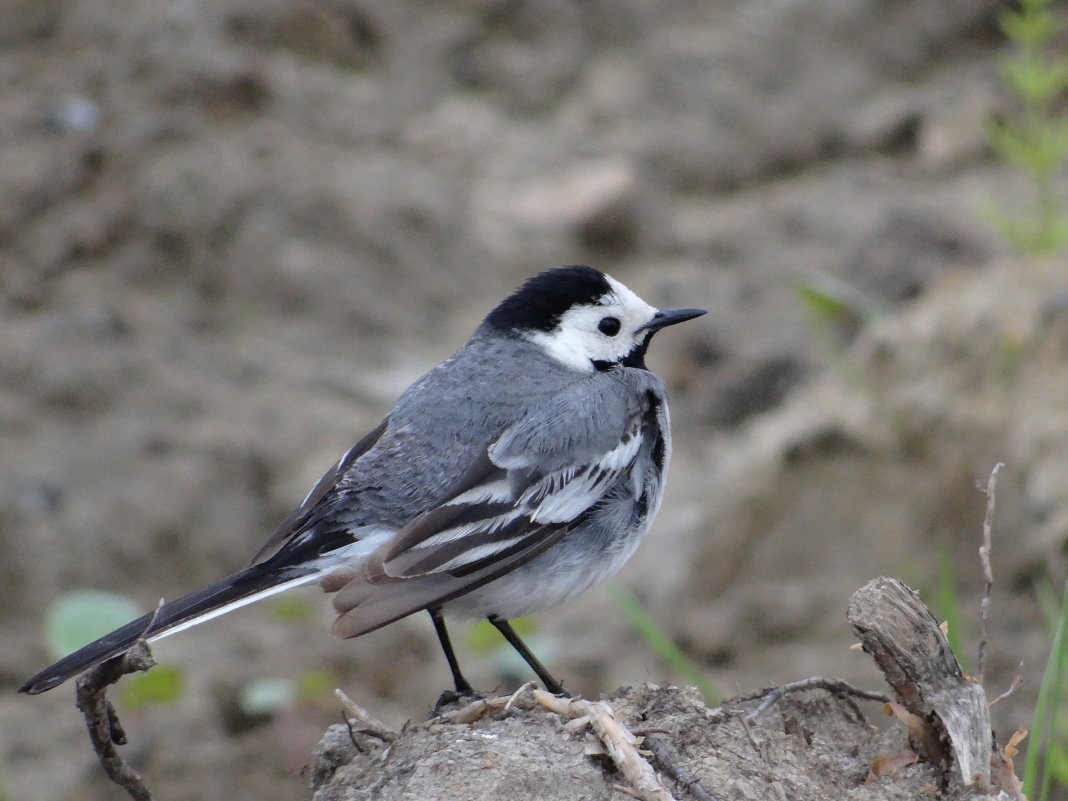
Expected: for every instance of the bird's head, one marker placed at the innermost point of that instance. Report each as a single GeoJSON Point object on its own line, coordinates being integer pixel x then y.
{"type": "Point", "coordinates": [584, 319]}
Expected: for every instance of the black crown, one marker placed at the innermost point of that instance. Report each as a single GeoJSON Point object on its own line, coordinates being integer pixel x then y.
{"type": "Point", "coordinates": [540, 302]}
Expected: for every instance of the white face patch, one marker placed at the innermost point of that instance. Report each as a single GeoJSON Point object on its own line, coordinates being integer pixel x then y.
{"type": "Point", "coordinates": [577, 340]}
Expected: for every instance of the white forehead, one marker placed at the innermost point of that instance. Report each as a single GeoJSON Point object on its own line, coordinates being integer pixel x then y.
{"type": "Point", "coordinates": [622, 295]}
{"type": "Point", "coordinates": [577, 342]}
{"type": "Point", "coordinates": [619, 301]}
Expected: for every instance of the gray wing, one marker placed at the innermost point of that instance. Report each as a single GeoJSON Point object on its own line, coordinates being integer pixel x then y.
{"type": "Point", "coordinates": [528, 489]}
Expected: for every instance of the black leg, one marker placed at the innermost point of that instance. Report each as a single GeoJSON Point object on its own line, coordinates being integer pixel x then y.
{"type": "Point", "coordinates": [551, 684]}
{"type": "Point", "coordinates": [463, 688]}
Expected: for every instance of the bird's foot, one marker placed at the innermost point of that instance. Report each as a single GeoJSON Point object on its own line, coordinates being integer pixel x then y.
{"type": "Point", "coordinates": [453, 697]}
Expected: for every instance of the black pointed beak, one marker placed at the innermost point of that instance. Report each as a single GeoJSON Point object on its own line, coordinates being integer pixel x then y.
{"type": "Point", "coordinates": [666, 317]}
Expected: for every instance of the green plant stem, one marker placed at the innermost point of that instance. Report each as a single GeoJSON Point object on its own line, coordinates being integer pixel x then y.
{"type": "Point", "coordinates": [1035, 139]}
{"type": "Point", "coordinates": [661, 644]}
{"type": "Point", "coordinates": [1049, 699]}
{"type": "Point", "coordinates": [948, 602]}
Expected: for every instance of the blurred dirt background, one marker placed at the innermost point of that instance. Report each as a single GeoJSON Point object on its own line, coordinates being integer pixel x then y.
{"type": "Point", "coordinates": [232, 232]}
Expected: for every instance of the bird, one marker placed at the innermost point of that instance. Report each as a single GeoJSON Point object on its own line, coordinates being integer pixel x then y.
{"type": "Point", "coordinates": [512, 477]}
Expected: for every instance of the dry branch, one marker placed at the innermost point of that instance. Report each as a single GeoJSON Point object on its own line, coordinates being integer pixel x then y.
{"type": "Point", "coordinates": [369, 724]}
{"type": "Point", "coordinates": [953, 720]}
{"type": "Point", "coordinates": [105, 731]}
{"type": "Point", "coordinates": [769, 696]}
{"type": "Point", "coordinates": [984, 558]}
{"type": "Point", "coordinates": [671, 766]}
{"type": "Point", "coordinates": [618, 741]}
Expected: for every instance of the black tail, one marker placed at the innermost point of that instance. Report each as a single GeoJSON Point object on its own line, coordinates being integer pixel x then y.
{"type": "Point", "coordinates": [244, 587]}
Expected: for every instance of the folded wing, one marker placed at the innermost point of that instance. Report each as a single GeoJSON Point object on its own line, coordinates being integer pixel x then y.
{"type": "Point", "coordinates": [530, 487]}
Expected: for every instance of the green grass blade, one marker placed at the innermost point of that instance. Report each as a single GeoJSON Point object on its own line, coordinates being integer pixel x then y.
{"type": "Point", "coordinates": [661, 644]}
{"type": "Point", "coordinates": [1052, 742]}
{"type": "Point", "coordinates": [947, 602]}
{"type": "Point", "coordinates": [1049, 698]}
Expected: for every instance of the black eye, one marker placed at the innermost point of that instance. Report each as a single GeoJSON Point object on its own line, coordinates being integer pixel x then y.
{"type": "Point", "coordinates": [609, 326]}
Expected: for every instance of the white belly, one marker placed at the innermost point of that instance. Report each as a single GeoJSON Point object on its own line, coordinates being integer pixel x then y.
{"type": "Point", "coordinates": [584, 558]}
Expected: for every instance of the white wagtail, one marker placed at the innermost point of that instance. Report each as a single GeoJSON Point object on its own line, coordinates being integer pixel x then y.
{"type": "Point", "coordinates": [513, 476]}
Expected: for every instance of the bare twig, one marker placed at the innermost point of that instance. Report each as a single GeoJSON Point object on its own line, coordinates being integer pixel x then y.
{"type": "Point", "coordinates": [984, 557]}
{"type": "Point", "coordinates": [618, 742]}
{"type": "Point", "coordinates": [836, 687]}
{"type": "Point", "coordinates": [752, 738]}
{"type": "Point", "coordinates": [672, 768]}
{"type": "Point", "coordinates": [515, 697]}
{"type": "Point", "coordinates": [1017, 680]}
{"type": "Point", "coordinates": [105, 731]}
{"type": "Point", "coordinates": [475, 710]}
{"type": "Point", "coordinates": [369, 723]}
